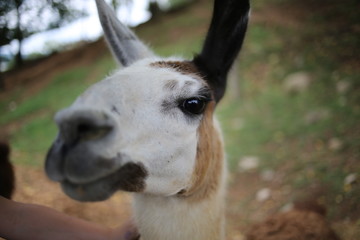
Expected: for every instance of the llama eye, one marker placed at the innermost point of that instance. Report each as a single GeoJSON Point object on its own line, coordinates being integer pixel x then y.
{"type": "Point", "coordinates": [193, 105]}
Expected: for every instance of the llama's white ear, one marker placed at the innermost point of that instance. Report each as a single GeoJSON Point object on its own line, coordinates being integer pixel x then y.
{"type": "Point", "coordinates": [124, 44]}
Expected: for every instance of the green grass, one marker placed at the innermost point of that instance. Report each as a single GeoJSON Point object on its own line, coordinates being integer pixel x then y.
{"type": "Point", "coordinates": [51, 98]}
{"type": "Point", "coordinates": [183, 48]}
{"type": "Point", "coordinates": [32, 140]}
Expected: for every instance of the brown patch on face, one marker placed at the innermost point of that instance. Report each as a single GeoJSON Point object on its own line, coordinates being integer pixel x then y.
{"type": "Point", "coordinates": [184, 67]}
{"type": "Point", "coordinates": [131, 177]}
{"type": "Point", "coordinates": [209, 159]}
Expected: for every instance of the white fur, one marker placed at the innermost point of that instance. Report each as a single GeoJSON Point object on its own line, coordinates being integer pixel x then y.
{"type": "Point", "coordinates": [164, 142]}
{"type": "Point", "coordinates": [177, 218]}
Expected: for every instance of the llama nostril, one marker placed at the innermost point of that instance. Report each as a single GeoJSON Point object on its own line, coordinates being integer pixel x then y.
{"type": "Point", "coordinates": [87, 131]}
{"type": "Point", "coordinates": [85, 125]}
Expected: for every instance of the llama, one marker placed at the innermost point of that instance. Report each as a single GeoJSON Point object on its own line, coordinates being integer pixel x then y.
{"type": "Point", "coordinates": [150, 129]}
{"type": "Point", "coordinates": [7, 176]}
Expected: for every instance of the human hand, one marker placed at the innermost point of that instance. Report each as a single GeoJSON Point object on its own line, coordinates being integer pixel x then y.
{"type": "Point", "coordinates": [127, 231]}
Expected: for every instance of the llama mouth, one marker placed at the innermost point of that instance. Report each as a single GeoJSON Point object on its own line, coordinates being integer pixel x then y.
{"type": "Point", "coordinates": [130, 177]}
{"type": "Point", "coordinates": [85, 176]}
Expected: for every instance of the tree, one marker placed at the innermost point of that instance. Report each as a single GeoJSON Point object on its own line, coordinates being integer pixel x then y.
{"type": "Point", "coordinates": [22, 18]}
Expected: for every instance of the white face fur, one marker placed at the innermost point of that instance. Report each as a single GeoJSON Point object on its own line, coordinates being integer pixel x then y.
{"type": "Point", "coordinates": [150, 130]}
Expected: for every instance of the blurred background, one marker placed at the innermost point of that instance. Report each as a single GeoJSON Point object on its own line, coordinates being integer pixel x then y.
{"type": "Point", "coordinates": [291, 115]}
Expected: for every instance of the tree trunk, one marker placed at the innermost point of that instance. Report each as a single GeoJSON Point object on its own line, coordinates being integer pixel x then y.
{"type": "Point", "coordinates": [154, 9]}
{"type": "Point", "coordinates": [2, 82]}
{"type": "Point", "coordinates": [19, 36]}
{"type": "Point", "coordinates": [18, 58]}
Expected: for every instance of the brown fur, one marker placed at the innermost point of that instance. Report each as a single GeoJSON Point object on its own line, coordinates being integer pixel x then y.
{"type": "Point", "coordinates": [302, 223]}
{"type": "Point", "coordinates": [184, 67]}
{"type": "Point", "coordinates": [209, 159]}
{"type": "Point", "coordinates": [134, 171]}
{"type": "Point", "coordinates": [7, 178]}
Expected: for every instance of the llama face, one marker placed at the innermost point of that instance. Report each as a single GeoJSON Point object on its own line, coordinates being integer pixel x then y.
{"type": "Point", "coordinates": [134, 131]}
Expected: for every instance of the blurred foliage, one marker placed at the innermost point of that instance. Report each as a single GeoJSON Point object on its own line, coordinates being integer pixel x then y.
{"type": "Point", "coordinates": [23, 18]}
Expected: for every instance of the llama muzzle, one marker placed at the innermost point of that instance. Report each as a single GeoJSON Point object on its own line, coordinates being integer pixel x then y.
{"type": "Point", "coordinates": [78, 161]}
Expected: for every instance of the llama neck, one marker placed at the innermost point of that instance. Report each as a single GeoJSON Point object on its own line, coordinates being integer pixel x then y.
{"type": "Point", "coordinates": [199, 212]}
{"type": "Point", "coordinates": [178, 218]}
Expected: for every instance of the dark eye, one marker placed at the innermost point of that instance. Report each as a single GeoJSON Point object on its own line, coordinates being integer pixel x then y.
{"type": "Point", "coordinates": [193, 105]}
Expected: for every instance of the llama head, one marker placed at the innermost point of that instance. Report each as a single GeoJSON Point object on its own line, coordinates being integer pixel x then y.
{"type": "Point", "coordinates": [139, 130]}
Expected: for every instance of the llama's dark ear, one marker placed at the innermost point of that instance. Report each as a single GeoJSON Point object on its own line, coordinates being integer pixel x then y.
{"type": "Point", "coordinates": [223, 42]}
{"type": "Point", "coordinates": [124, 44]}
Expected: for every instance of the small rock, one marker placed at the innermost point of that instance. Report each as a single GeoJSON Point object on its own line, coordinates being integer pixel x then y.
{"type": "Point", "coordinates": [267, 175]}
{"type": "Point", "coordinates": [343, 86]}
{"type": "Point", "coordinates": [263, 194]}
{"type": "Point", "coordinates": [350, 179]}
{"type": "Point", "coordinates": [248, 163]}
{"type": "Point", "coordinates": [342, 101]}
{"type": "Point", "coordinates": [237, 236]}
{"type": "Point", "coordinates": [339, 198]}
{"type": "Point", "coordinates": [287, 207]}
{"type": "Point", "coordinates": [297, 82]}
{"type": "Point", "coordinates": [12, 106]}
{"type": "Point", "coordinates": [335, 144]}
{"type": "Point", "coordinates": [316, 116]}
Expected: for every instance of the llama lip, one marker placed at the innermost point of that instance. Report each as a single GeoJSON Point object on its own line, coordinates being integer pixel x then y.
{"type": "Point", "coordinates": [83, 162]}
{"type": "Point", "coordinates": [130, 177]}
{"type": "Point", "coordinates": [93, 191]}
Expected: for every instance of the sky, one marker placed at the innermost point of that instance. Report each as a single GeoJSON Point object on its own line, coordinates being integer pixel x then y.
{"type": "Point", "coordinates": [87, 28]}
